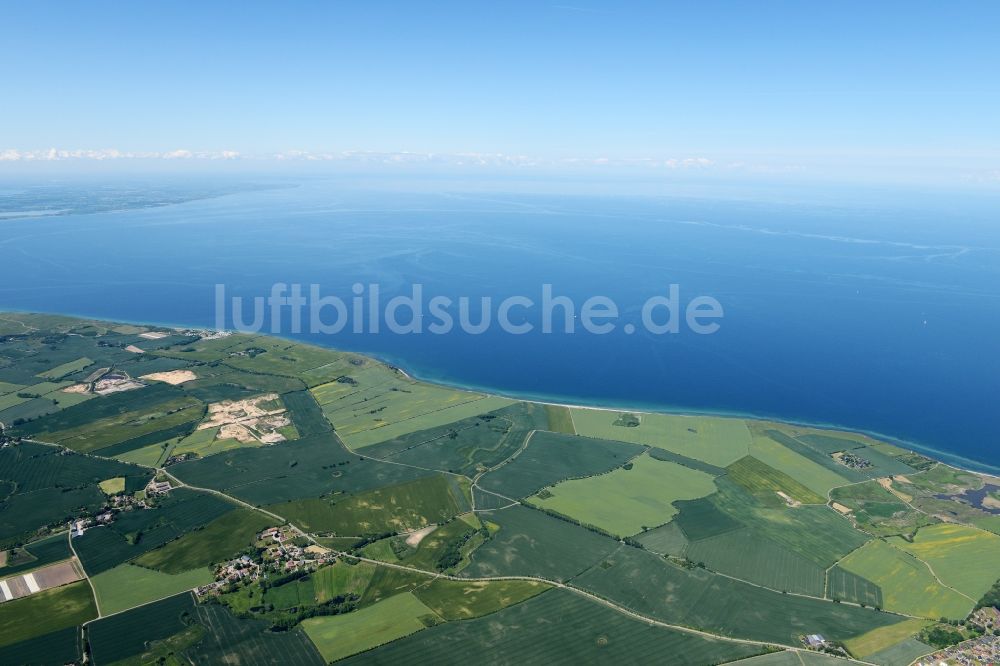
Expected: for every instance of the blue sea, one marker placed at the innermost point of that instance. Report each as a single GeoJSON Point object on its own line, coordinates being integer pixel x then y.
{"type": "Point", "coordinates": [877, 313]}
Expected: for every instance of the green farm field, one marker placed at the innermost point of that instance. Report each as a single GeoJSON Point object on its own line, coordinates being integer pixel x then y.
{"type": "Point", "coordinates": [432, 550]}
{"type": "Point", "coordinates": [560, 419]}
{"type": "Point", "coordinates": [906, 651]}
{"type": "Point", "coordinates": [36, 554]}
{"type": "Point", "coordinates": [57, 648]}
{"type": "Point", "coordinates": [531, 543]}
{"type": "Point", "coordinates": [67, 368]}
{"type": "Point", "coordinates": [627, 501]}
{"type": "Point", "coordinates": [843, 585]}
{"type": "Point", "coordinates": [126, 634]}
{"type": "Point", "coordinates": [51, 486]}
{"type": "Point", "coordinates": [879, 512]}
{"type": "Point", "coordinates": [721, 525]}
{"type": "Point", "coordinates": [50, 392]}
{"type": "Point", "coordinates": [468, 445]}
{"type": "Point", "coordinates": [136, 532]}
{"type": "Point", "coordinates": [556, 627]}
{"type": "Point", "coordinates": [908, 586]}
{"type": "Point", "coordinates": [309, 467]}
{"type": "Point", "coordinates": [45, 612]}
{"type": "Point", "coordinates": [271, 356]}
{"type": "Point", "coordinates": [965, 558]}
{"type": "Point", "coordinates": [319, 587]}
{"type": "Point", "coordinates": [129, 585]}
{"type": "Point", "coordinates": [231, 640]}
{"type": "Point", "coordinates": [754, 558]}
{"type": "Point", "coordinates": [204, 443]}
{"type": "Point", "coordinates": [764, 481]}
{"type": "Point", "coordinates": [6, 387]}
{"type": "Point", "coordinates": [379, 404]}
{"type": "Point", "coordinates": [453, 600]}
{"type": "Point", "coordinates": [817, 478]}
{"type": "Point", "coordinates": [339, 636]}
{"type": "Point", "coordinates": [219, 539]}
{"type": "Point", "coordinates": [884, 638]}
{"type": "Point", "coordinates": [817, 533]}
{"type": "Point", "coordinates": [649, 585]}
{"type": "Point", "coordinates": [549, 458]}
{"type": "Point", "coordinates": [162, 438]}
{"type": "Point", "coordinates": [435, 416]}
{"type": "Point", "coordinates": [407, 506]}
{"type": "Point", "coordinates": [667, 539]}
{"type": "Point", "coordinates": [717, 441]}
{"type": "Point", "coordinates": [147, 456]}
{"type": "Point", "coordinates": [101, 433]}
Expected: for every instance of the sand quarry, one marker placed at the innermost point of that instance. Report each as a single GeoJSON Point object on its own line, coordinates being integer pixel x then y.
{"type": "Point", "coordinates": [174, 377]}
{"type": "Point", "coordinates": [247, 420]}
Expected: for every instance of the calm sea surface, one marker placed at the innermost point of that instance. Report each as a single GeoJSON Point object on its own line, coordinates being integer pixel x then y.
{"type": "Point", "coordinates": [875, 317]}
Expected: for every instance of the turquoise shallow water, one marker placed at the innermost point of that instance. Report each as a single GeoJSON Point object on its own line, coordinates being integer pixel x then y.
{"type": "Point", "coordinates": [881, 317]}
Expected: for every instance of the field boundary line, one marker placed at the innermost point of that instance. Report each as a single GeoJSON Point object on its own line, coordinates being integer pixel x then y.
{"type": "Point", "coordinates": [519, 451]}
{"type": "Point", "coordinates": [16, 321]}
{"type": "Point", "coordinates": [364, 456]}
{"type": "Point", "coordinates": [931, 570]}
{"type": "Point", "coordinates": [579, 591]}
{"type": "Point", "coordinates": [86, 576]}
{"type": "Point", "coordinates": [826, 574]}
{"type": "Point", "coordinates": [482, 396]}
{"type": "Point", "coordinates": [144, 603]}
{"type": "Point", "coordinates": [797, 651]}
{"type": "Point", "coordinates": [576, 590]}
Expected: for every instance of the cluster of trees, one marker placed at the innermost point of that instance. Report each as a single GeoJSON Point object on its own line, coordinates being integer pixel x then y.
{"type": "Point", "coordinates": [941, 636]}
{"type": "Point", "coordinates": [285, 619]}
{"type": "Point", "coordinates": [278, 581]}
{"type": "Point", "coordinates": [370, 538]}
{"type": "Point", "coordinates": [344, 603]}
{"type": "Point", "coordinates": [991, 598]}
{"type": "Point", "coordinates": [587, 526]}
{"type": "Point", "coordinates": [627, 421]}
{"type": "Point", "coordinates": [452, 555]}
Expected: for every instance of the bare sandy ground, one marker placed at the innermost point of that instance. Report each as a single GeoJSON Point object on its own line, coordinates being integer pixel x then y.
{"type": "Point", "coordinates": [788, 500]}
{"type": "Point", "coordinates": [76, 388]}
{"type": "Point", "coordinates": [153, 335]}
{"type": "Point", "coordinates": [886, 483]}
{"type": "Point", "coordinates": [174, 377]}
{"type": "Point", "coordinates": [106, 386]}
{"type": "Point", "coordinates": [246, 420]}
{"type": "Point", "coordinates": [841, 508]}
{"type": "Point", "coordinates": [414, 538]}
{"type": "Point", "coordinates": [134, 349]}
{"type": "Point", "coordinates": [35, 581]}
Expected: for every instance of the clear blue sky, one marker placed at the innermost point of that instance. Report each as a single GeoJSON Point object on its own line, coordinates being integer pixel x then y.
{"type": "Point", "coordinates": [910, 89]}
